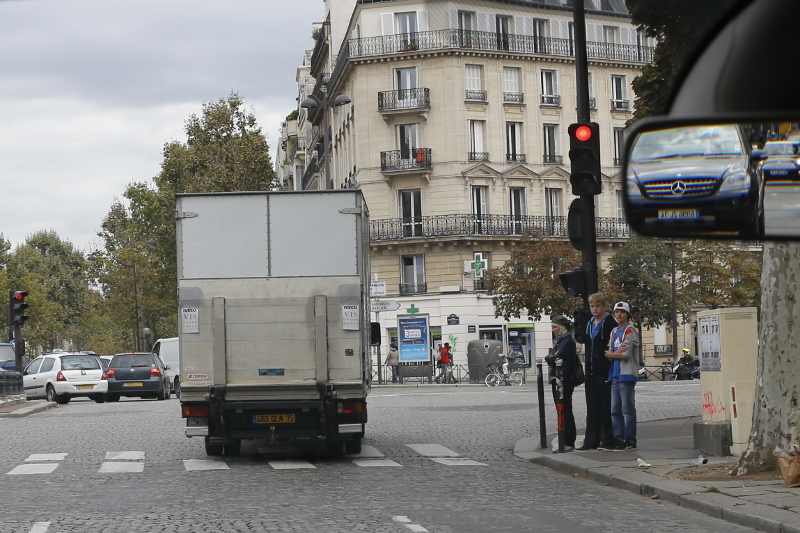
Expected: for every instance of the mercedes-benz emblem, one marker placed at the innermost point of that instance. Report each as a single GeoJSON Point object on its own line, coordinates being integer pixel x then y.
{"type": "Point", "coordinates": [678, 188]}
{"type": "Point", "coordinates": [83, 372]}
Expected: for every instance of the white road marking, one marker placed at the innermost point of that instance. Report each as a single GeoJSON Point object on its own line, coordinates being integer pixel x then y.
{"type": "Point", "coordinates": [406, 522]}
{"type": "Point", "coordinates": [46, 457]}
{"type": "Point", "coordinates": [433, 450]}
{"type": "Point", "coordinates": [125, 456]}
{"type": "Point", "coordinates": [290, 464]}
{"type": "Point", "coordinates": [205, 464]}
{"type": "Point", "coordinates": [34, 469]}
{"type": "Point", "coordinates": [375, 462]}
{"type": "Point", "coordinates": [456, 461]}
{"type": "Point", "coordinates": [120, 467]}
{"type": "Point", "coordinates": [402, 519]}
{"type": "Point", "coordinates": [366, 451]}
{"type": "Point", "coordinates": [40, 527]}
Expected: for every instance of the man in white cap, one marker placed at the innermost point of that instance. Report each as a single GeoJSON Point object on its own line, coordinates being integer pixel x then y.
{"type": "Point", "coordinates": [623, 351]}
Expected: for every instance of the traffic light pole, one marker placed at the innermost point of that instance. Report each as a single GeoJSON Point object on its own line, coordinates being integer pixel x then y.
{"type": "Point", "coordinates": [588, 232]}
{"type": "Point", "coordinates": [18, 347]}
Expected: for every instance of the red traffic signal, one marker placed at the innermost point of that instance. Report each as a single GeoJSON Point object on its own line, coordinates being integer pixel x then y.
{"type": "Point", "coordinates": [16, 308]}
{"type": "Point", "coordinates": [584, 153]}
{"type": "Point", "coordinates": [583, 133]}
{"type": "Point", "coordinates": [18, 295]}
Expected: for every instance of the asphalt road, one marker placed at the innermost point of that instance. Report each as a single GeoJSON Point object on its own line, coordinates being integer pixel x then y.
{"type": "Point", "coordinates": [436, 458]}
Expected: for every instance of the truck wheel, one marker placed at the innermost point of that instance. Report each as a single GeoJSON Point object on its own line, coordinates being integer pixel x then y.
{"type": "Point", "coordinates": [352, 447]}
{"type": "Point", "coordinates": [335, 448]}
{"type": "Point", "coordinates": [233, 448]}
{"type": "Point", "coordinates": [214, 450]}
{"type": "Point", "coordinates": [177, 388]}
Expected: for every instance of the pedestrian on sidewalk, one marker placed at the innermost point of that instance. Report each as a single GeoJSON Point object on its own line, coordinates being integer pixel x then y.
{"type": "Point", "coordinates": [444, 361]}
{"type": "Point", "coordinates": [599, 432]}
{"type": "Point", "coordinates": [623, 352]}
{"type": "Point", "coordinates": [561, 380]}
{"type": "Point", "coordinates": [393, 360]}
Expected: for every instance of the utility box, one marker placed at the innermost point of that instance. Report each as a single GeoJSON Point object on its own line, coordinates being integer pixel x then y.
{"type": "Point", "coordinates": [728, 340]}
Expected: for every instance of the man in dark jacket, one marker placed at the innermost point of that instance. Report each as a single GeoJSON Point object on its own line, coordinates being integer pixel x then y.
{"type": "Point", "coordinates": [599, 434]}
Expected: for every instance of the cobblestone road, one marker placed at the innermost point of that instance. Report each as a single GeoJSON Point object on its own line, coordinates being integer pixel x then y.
{"type": "Point", "coordinates": [437, 459]}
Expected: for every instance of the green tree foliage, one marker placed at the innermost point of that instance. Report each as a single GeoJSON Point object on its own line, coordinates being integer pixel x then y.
{"type": "Point", "coordinates": [680, 27]}
{"type": "Point", "coordinates": [720, 274]}
{"type": "Point", "coordinates": [528, 282]}
{"type": "Point", "coordinates": [225, 151]}
{"type": "Point", "coordinates": [641, 274]}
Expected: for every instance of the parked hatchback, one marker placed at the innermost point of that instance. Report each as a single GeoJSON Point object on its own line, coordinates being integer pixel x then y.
{"type": "Point", "coordinates": [137, 374]}
{"type": "Point", "coordinates": [61, 376]}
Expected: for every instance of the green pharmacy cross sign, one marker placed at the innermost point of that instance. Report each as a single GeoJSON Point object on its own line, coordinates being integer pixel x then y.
{"type": "Point", "coordinates": [478, 264]}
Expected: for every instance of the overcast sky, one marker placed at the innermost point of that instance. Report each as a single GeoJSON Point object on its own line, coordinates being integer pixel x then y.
{"type": "Point", "coordinates": [90, 90]}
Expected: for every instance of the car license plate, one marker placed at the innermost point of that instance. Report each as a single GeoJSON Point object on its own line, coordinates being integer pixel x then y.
{"type": "Point", "coordinates": [674, 214]}
{"type": "Point", "coordinates": [778, 172]}
{"type": "Point", "coordinates": [132, 384]}
{"type": "Point", "coordinates": [85, 387]}
{"type": "Point", "coordinates": [273, 419]}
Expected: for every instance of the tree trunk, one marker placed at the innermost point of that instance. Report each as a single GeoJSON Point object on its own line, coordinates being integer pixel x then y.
{"type": "Point", "coordinates": [775, 412]}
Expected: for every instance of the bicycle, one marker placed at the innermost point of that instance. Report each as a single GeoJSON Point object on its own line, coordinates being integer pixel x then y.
{"type": "Point", "coordinates": [495, 376]}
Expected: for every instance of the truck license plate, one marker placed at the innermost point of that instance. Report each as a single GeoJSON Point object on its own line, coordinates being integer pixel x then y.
{"type": "Point", "coordinates": [677, 214]}
{"type": "Point", "coordinates": [273, 419]}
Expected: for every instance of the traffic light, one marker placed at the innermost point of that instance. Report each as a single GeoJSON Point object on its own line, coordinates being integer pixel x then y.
{"type": "Point", "coordinates": [574, 282]}
{"type": "Point", "coordinates": [16, 308]}
{"type": "Point", "coordinates": [584, 153]}
{"type": "Point", "coordinates": [581, 316]}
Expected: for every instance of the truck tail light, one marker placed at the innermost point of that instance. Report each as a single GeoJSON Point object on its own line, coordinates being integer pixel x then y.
{"type": "Point", "coordinates": [195, 410]}
{"type": "Point", "coordinates": [60, 377]}
{"type": "Point", "coordinates": [350, 408]}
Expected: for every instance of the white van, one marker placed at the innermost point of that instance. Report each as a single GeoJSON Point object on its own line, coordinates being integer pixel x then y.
{"type": "Point", "coordinates": [168, 350]}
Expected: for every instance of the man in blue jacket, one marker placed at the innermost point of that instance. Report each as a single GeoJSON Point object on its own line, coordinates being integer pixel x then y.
{"type": "Point", "coordinates": [599, 433]}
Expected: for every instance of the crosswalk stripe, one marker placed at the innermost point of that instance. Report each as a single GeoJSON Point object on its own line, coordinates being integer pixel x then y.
{"type": "Point", "coordinates": [46, 457]}
{"type": "Point", "coordinates": [456, 461]}
{"type": "Point", "coordinates": [366, 451]}
{"type": "Point", "coordinates": [109, 467]}
{"type": "Point", "coordinates": [433, 450]}
{"type": "Point", "coordinates": [125, 456]}
{"type": "Point", "coordinates": [34, 469]}
{"type": "Point", "coordinates": [205, 464]}
{"type": "Point", "coordinates": [288, 464]}
{"type": "Point", "coordinates": [375, 462]}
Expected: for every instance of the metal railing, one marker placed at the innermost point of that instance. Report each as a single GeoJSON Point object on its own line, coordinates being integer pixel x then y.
{"type": "Point", "coordinates": [398, 160]}
{"type": "Point", "coordinates": [404, 99]}
{"type": "Point", "coordinates": [475, 96]}
{"type": "Point", "coordinates": [455, 225]}
{"type": "Point", "coordinates": [514, 98]}
{"type": "Point", "coordinates": [11, 387]}
{"type": "Point", "coordinates": [515, 158]}
{"type": "Point", "coordinates": [551, 99]}
{"type": "Point", "coordinates": [311, 170]}
{"type": "Point", "coordinates": [619, 105]}
{"type": "Point", "coordinates": [477, 156]}
{"type": "Point", "coordinates": [413, 288]}
{"type": "Point", "coordinates": [553, 159]}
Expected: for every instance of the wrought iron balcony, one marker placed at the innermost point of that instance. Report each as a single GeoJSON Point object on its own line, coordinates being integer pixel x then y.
{"type": "Point", "coordinates": [413, 288]}
{"type": "Point", "coordinates": [404, 99]}
{"type": "Point", "coordinates": [619, 105]}
{"type": "Point", "coordinates": [480, 285]}
{"type": "Point", "coordinates": [551, 99]}
{"type": "Point", "coordinates": [483, 40]}
{"type": "Point", "coordinates": [553, 159]}
{"type": "Point", "coordinates": [592, 103]}
{"type": "Point", "coordinates": [311, 171]}
{"type": "Point", "coordinates": [476, 96]}
{"type": "Point", "coordinates": [477, 156]}
{"type": "Point", "coordinates": [514, 98]}
{"type": "Point", "coordinates": [515, 158]}
{"type": "Point", "coordinates": [460, 225]}
{"type": "Point", "coordinates": [405, 160]}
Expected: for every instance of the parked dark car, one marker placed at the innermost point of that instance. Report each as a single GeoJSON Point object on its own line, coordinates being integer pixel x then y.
{"type": "Point", "coordinates": [783, 161]}
{"type": "Point", "coordinates": [695, 178]}
{"type": "Point", "coordinates": [140, 375]}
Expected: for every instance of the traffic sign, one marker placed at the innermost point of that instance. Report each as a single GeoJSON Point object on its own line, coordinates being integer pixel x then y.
{"type": "Point", "coordinates": [378, 306]}
{"type": "Point", "coordinates": [377, 288]}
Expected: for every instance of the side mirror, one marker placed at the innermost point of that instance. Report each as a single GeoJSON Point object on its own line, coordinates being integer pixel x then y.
{"type": "Point", "coordinates": [166, 367]}
{"type": "Point", "coordinates": [718, 179]}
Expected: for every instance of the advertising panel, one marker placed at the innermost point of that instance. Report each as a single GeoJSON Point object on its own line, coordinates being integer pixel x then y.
{"type": "Point", "coordinates": [414, 339]}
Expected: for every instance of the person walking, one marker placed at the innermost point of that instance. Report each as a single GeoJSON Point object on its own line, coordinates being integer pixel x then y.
{"type": "Point", "coordinates": [444, 361]}
{"type": "Point", "coordinates": [599, 432]}
{"type": "Point", "coordinates": [623, 352]}
{"type": "Point", "coordinates": [393, 360]}
{"type": "Point", "coordinates": [564, 350]}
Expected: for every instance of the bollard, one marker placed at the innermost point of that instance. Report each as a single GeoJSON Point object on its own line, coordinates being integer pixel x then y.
{"type": "Point", "coordinates": [560, 405]}
{"type": "Point", "coordinates": [540, 390]}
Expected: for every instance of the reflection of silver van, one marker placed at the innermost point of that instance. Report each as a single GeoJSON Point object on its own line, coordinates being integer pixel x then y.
{"type": "Point", "coordinates": [168, 350]}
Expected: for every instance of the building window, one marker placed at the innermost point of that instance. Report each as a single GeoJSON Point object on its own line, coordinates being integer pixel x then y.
{"type": "Point", "coordinates": [511, 89]}
{"type": "Point", "coordinates": [551, 149]}
{"type": "Point", "coordinates": [407, 135]}
{"type": "Point", "coordinates": [405, 80]}
{"type": "Point", "coordinates": [610, 34]}
{"type": "Point", "coordinates": [619, 145]}
{"type": "Point", "coordinates": [552, 202]}
{"type": "Point", "coordinates": [503, 29]}
{"type": "Point", "coordinates": [619, 93]}
{"type": "Point", "coordinates": [476, 148]}
{"type": "Point", "coordinates": [518, 209]}
{"type": "Point", "coordinates": [539, 35]}
{"type": "Point", "coordinates": [620, 205]}
{"type": "Point", "coordinates": [407, 29]}
{"type": "Point", "coordinates": [479, 193]}
{"type": "Point", "coordinates": [592, 100]}
{"type": "Point", "coordinates": [474, 83]}
{"type": "Point", "coordinates": [413, 274]}
{"type": "Point", "coordinates": [411, 212]}
{"type": "Point", "coordinates": [465, 28]}
{"type": "Point", "coordinates": [514, 143]}
{"type": "Point", "coordinates": [550, 88]}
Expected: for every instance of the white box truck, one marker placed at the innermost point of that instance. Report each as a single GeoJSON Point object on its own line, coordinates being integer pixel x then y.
{"type": "Point", "coordinates": [274, 329]}
{"type": "Point", "coordinates": [167, 349]}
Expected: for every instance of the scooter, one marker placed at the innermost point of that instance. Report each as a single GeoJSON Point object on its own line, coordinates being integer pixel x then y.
{"type": "Point", "coordinates": [687, 367]}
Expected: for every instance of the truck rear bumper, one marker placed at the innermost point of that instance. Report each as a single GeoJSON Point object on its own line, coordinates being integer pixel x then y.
{"type": "Point", "coordinates": [351, 428]}
{"type": "Point", "coordinates": [197, 431]}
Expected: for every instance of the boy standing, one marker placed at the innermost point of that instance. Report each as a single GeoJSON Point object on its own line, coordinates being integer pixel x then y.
{"type": "Point", "coordinates": [623, 352]}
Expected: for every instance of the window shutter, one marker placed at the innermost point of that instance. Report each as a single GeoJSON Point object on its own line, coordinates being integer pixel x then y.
{"type": "Point", "coordinates": [511, 80]}
{"type": "Point", "coordinates": [485, 22]}
{"type": "Point", "coordinates": [387, 24]}
{"type": "Point", "coordinates": [453, 18]}
{"type": "Point", "coordinates": [422, 20]}
{"type": "Point", "coordinates": [473, 78]}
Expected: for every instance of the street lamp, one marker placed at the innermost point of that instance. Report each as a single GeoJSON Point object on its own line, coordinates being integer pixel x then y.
{"type": "Point", "coordinates": [92, 258]}
{"type": "Point", "coordinates": [335, 100]}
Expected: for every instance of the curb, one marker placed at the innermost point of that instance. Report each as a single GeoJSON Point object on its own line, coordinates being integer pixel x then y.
{"type": "Point", "coordinates": [29, 409]}
{"type": "Point", "coordinates": [722, 506]}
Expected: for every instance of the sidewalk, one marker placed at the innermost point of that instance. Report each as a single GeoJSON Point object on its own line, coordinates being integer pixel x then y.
{"type": "Point", "coordinates": [20, 409]}
{"type": "Point", "coordinates": [667, 446]}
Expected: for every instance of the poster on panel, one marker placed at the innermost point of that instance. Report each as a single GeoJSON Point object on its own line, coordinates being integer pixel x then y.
{"type": "Point", "coordinates": [414, 338]}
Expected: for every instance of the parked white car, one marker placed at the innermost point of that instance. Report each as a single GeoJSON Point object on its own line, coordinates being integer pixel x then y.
{"type": "Point", "coordinates": [61, 376]}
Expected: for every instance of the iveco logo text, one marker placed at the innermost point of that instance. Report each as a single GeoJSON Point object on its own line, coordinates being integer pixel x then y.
{"type": "Point", "coordinates": [678, 188]}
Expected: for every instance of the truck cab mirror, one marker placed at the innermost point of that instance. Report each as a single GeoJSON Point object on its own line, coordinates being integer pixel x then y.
{"type": "Point", "coordinates": [375, 333]}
